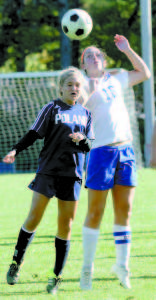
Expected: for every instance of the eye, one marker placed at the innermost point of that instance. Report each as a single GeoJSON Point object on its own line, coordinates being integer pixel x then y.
{"type": "Point", "coordinates": [89, 56]}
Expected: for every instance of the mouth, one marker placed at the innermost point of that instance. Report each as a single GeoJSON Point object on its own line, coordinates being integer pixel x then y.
{"type": "Point", "coordinates": [73, 94]}
{"type": "Point", "coordinates": [96, 62]}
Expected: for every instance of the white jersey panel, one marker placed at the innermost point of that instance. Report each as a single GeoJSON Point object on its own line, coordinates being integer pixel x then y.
{"type": "Point", "coordinates": [110, 117]}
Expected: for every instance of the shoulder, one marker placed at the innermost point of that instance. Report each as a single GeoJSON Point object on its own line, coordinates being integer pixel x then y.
{"type": "Point", "coordinates": [49, 107]}
{"type": "Point", "coordinates": [81, 108]}
{"type": "Point", "coordinates": [122, 77]}
{"type": "Point", "coordinates": [54, 104]}
{"type": "Point", "coordinates": [116, 77]}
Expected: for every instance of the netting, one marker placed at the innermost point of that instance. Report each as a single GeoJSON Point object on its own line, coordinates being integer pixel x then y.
{"type": "Point", "coordinates": [130, 103]}
{"type": "Point", "coordinates": [22, 95]}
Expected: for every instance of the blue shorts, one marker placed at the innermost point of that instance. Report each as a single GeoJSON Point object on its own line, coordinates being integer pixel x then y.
{"type": "Point", "coordinates": [63, 188]}
{"type": "Point", "coordinates": [108, 166]}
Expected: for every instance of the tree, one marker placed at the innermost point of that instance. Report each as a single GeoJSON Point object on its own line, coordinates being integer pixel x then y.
{"type": "Point", "coordinates": [29, 27]}
{"type": "Point", "coordinates": [30, 32]}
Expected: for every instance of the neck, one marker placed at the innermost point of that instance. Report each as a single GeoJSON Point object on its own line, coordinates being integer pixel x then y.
{"type": "Point", "coordinates": [95, 74]}
{"type": "Point", "coordinates": [69, 102]}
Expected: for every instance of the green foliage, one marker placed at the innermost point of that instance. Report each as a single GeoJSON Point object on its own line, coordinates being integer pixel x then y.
{"type": "Point", "coordinates": [111, 17]}
{"type": "Point", "coordinates": [25, 29]}
{"type": "Point", "coordinates": [30, 32]}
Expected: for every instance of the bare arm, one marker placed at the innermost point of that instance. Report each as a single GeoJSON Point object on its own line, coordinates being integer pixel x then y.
{"type": "Point", "coordinates": [141, 71]}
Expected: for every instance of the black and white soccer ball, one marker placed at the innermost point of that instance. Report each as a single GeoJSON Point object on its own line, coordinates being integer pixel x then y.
{"type": "Point", "coordinates": [77, 24]}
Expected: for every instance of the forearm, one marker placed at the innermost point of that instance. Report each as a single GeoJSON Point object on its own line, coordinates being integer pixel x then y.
{"type": "Point", "coordinates": [29, 138]}
{"type": "Point", "coordinates": [137, 62]}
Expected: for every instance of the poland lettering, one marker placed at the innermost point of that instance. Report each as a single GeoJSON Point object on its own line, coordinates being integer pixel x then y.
{"type": "Point", "coordinates": [66, 118]}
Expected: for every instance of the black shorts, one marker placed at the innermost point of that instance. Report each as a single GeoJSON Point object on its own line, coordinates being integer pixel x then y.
{"type": "Point", "coordinates": [63, 188]}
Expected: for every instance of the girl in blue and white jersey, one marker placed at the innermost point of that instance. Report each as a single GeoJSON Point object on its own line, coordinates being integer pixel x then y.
{"type": "Point", "coordinates": [111, 164]}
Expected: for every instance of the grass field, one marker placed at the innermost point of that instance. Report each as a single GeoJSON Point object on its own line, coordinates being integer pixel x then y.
{"type": "Point", "coordinates": [15, 201]}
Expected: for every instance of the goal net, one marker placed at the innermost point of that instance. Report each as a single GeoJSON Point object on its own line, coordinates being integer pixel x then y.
{"type": "Point", "coordinates": [22, 96]}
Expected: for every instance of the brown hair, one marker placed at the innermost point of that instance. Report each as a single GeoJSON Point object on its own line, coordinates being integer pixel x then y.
{"type": "Point", "coordinates": [84, 51]}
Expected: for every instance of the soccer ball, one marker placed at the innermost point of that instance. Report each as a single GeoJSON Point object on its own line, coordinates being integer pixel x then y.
{"type": "Point", "coordinates": [77, 24]}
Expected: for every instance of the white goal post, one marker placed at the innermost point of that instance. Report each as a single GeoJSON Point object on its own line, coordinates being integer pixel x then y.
{"type": "Point", "coordinates": [22, 95]}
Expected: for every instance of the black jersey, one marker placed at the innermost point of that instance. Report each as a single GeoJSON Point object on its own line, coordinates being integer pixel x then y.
{"type": "Point", "coordinates": [59, 155]}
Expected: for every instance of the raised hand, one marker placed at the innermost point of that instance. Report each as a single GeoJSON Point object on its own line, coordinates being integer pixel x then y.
{"type": "Point", "coordinates": [121, 43]}
{"type": "Point", "coordinates": [10, 157]}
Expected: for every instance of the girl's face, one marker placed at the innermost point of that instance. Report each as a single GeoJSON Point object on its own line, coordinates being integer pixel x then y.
{"type": "Point", "coordinates": [71, 89]}
{"type": "Point", "coordinates": [93, 62]}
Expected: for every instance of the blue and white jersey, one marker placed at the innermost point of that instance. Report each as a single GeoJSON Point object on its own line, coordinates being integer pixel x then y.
{"type": "Point", "coordinates": [59, 155]}
{"type": "Point", "coordinates": [110, 116]}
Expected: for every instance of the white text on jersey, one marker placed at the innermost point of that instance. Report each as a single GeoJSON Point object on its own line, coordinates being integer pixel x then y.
{"type": "Point", "coordinates": [66, 118]}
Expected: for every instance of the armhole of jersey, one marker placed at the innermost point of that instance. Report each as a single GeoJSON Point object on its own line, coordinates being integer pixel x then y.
{"type": "Point", "coordinates": [123, 77]}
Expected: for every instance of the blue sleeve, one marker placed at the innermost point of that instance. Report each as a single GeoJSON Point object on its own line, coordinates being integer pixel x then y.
{"type": "Point", "coordinates": [42, 121]}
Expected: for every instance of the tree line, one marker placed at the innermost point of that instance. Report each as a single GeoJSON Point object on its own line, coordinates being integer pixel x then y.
{"type": "Point", "coordinates": [30, 35]}
{"type": "Point", "coordinates": [30, 32]}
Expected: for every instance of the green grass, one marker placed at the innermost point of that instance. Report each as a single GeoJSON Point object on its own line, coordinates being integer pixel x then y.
{"type": "Point", "coordinates": [15, 201]}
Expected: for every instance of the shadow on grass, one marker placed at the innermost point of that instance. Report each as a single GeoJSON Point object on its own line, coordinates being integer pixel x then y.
{"type": "Point", "coordinates": [74, 239]}
{"type": "Point", "coordinates": [39, 281]}
{"type": "Point", "coordinates": [37, 237]}
{"type": "Point", "coordinates": [51, 237]}
{"type": "Point", "coordinates": [29, 293]}
{"type": "Point", "coordinates": [144, 277]}
{"type": "Point", "coordinates": [77, 280]}
{"type": "Point", "coordinates": [78, 238]}
{"type": "Point", "coordinates": [103, 279]}
{"type": "Point", "coordinates": [112, 257]}
{"type": "Point", "coordinates": [21, 293]}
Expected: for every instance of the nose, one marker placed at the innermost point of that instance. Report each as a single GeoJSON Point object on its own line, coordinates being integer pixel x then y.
{"type": "Point", "coordinates": [74, 88]}
{"type": "Point", "coordinates": [95, 57]}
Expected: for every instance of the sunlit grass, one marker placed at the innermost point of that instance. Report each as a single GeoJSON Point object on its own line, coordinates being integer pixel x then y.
{"type": "Point", "coordinates": [15, 201]}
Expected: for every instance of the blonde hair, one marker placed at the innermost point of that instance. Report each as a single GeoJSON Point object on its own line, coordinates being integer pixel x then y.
{"type": "Point", "coordinates": [70, 71]}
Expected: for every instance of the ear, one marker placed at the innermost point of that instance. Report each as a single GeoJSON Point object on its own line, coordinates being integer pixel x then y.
{"type": "Point", "coordinates": [61, 93]}
{"type": "Point", "coordinates": [83, 67]}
